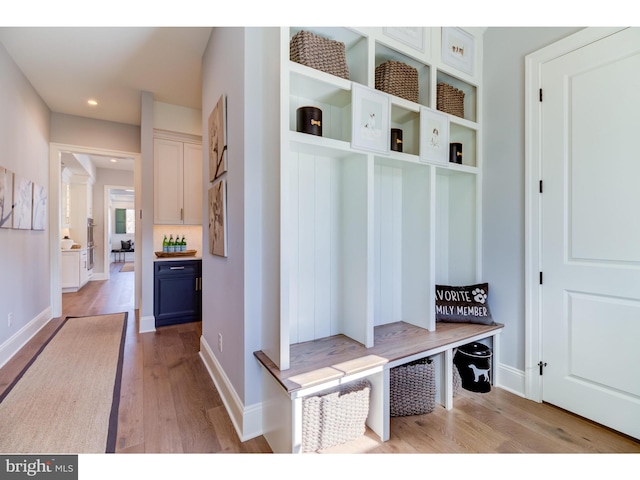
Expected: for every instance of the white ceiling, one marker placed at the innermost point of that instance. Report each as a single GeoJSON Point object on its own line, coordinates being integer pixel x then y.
{"type": "Point", "coordinates": [69, 65]}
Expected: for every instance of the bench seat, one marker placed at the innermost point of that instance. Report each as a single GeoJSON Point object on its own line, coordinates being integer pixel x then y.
{"type": "Point", "coordinates": [324, 363]}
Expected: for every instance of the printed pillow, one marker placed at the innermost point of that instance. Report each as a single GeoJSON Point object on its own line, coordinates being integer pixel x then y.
{"type": "Point", "coordinates": [126, 244]}
{"type": "Point", "coordinates": [463, 304]}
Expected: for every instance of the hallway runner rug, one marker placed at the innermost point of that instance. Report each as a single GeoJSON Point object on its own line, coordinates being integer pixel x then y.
{"type": "Point", "coordinates": [127, 267]}
{"type": "Point", "coordinates": [66, 399]}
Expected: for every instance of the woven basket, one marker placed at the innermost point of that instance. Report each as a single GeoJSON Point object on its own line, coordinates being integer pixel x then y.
{"type": "Point", "coordinates": [413, 388]}
{"type": "Point", "coordinates": [457, 381]}
{"type": "Point", "coordinates": [398, 79]}
{"type": "Point", "coordinates": [450, 100]}
{"type": "Point", "coordinates": [335, 416]}
{"type": "Point", "coordinates": [320, 53]}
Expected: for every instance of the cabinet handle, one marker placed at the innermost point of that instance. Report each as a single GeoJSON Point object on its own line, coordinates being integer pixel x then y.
{"type": "Point", "coordinates": [176, 268]}
{"type": "Point", "coordinates": [182, 214]}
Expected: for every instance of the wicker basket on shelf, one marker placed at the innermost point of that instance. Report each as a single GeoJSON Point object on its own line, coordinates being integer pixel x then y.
{"type": "Point", "coordinates": [413, 388]}
{"type": "Point", "coordinates": [335, 416]}
{"type": "Point", "coordinates": [399, 79]}
{"type": "Point", "coordinates": [450, 99]}
{"type": "Point", "coordinates": [320, 53]}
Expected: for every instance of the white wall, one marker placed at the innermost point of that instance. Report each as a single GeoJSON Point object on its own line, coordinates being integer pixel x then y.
{"type": "Point", "coordinates": [24, 254]}
{"type": "Point", "coordinates": [504, 169]}
{"type": "Point", "coordinates": [241, 290]}
{"type": "Point", "coordinates": [175, 118]}
{"type": "Point", "coordinates": [88, 132]}
{"type": "Point", "coordinates": [223, 278]}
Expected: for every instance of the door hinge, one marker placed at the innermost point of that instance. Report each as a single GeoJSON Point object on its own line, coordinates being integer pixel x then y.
{"type": "Point", "coordinates": [540, 94]}
{"type": "Point", "coordinates": [540, 186]}
{"type": "Point", "coordinates": [542, 365]}
{"type": "Point", "coordinates": [540, 278]}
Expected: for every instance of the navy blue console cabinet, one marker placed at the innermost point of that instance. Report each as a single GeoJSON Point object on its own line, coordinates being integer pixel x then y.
{"type": "Point", "coordinates": [177, 291]}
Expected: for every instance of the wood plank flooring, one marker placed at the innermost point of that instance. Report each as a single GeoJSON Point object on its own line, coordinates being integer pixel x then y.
{"type": "Point", "coordinates": [169, 403]}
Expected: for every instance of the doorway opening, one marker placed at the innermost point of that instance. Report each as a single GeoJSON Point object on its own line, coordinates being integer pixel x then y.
{"type": "Point", "coordinates": [93, 169]}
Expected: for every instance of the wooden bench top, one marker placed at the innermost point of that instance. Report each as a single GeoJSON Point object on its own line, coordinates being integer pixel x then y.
{"type": "Point", "coordinates": [333, 357]}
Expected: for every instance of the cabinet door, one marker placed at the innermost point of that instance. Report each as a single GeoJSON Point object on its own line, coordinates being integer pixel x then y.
{"type": "Point", "coordinates": [82, 267]}
{"type": "Point", "coordinates": [192, 184]}
{"type": "Point", "coordinates": [168, 181]}
{"type": "Point", "coordinates": [70, 270]}
{"type": "Point", "coordinates": [177, 297]}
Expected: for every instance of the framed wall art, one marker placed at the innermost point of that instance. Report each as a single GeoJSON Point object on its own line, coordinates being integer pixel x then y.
{"type": "Point", "coordinates": [410, 36]}
{"type": "Point", "coordinates": [218, 139]}
{"type": "Point", "coordinates": [434, 136]}
{"type": "Point", "coordinates": [458, 49]}
{"type": "Point", "coordinates": [6, 198]}
{"type": "Point", "coordinates": [371, 119]}
{"type": "Point", "coordinates": [39, 207]}
{"type": "Point", "coordinates": [22, 200]}
{"type": "Point", "coordinates": [218, 218]}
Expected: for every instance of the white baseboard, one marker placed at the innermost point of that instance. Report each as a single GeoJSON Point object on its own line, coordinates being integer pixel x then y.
{"type": "Point", "coordinates": [98, 276]}
{"type": "Point", "coordinates": [511, 379]}
{"type": "Point", "coordinates": [246, 420]}
{"type": "Point", "coordinates": [9, 348]}
{"type": "Point", "coordinates": [147, 324]}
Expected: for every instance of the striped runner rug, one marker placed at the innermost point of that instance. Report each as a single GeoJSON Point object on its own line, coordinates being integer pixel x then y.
{"type": "Point", "coordinates": [66, 399]}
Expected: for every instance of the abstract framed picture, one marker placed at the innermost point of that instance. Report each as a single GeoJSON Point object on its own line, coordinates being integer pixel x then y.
{"type": "Point", "coordinates": [434, 136]}
{"type": "Point", "coordinates": [458, 49]}
{"type": "Point", "coordinates": [218, 139]}
{"type": "Point", "coordinates": [39, 207]}
{"type": "Point", "coordinates": [371, 119]}
{"type": "Point", "coordinates": [22, 200]}
{"type": "Point", "coordinates": [218, 218]}
{"type": "Point", "coordinates": [6, 198]}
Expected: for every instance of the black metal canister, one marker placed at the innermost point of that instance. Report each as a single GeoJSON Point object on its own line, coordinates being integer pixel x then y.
{"type": "Point", "coordinates": [455, 153]}
{"type": "Point", "coordinates": [474, 364]}
{"type": "Point", "coordinates": [309, 120]}
{"type": "Point", "coordinates": [396, 139]}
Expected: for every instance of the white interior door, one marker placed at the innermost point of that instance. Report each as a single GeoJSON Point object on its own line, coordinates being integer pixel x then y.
{"type": "Point", "coordinates": [590, 242]}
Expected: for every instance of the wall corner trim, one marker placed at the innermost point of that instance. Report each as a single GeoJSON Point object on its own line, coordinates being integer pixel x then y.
{"type": "Point", "coordinates": [247, 421]}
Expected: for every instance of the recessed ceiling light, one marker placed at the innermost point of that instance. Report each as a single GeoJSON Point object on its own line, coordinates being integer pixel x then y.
{"type": "Point", "coordinates": [113, 160]}
{"type": "Point", "coordinates": [92, 102]}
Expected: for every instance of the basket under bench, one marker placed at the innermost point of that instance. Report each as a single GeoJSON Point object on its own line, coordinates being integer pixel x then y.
{"type": "Point", "coordinates": [332, 361]}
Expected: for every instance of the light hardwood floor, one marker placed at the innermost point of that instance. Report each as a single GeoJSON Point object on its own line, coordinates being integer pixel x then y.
{"type": "Point", "coordinates": [169, 403]}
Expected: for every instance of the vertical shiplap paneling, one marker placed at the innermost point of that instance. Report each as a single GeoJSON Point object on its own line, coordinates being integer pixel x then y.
{"type": "Point", "coordinates": [337, 285]}
{"type": "Point", "coordinates": [417, 283]}
{"type": "Point", "coordinates": [387, 241]}
{"type": "Point", "coordinates": [306, 246]}
{"type": "Point", "coordinates": [293, 251]}
{"type": "Point", "coordinates": [322, 242]}
{"type": "Point", "coordinates": [442, 230]}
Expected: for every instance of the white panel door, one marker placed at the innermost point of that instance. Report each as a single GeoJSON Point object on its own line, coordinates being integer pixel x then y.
{"type": "Point", "coordinates": [591, 231]}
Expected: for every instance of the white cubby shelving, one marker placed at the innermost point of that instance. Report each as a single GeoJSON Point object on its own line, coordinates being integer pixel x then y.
{"type": "Point", "coordinates": [366, 236]}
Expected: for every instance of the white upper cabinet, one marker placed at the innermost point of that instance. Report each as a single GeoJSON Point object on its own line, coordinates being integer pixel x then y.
{"type": "Point", "coordinates": [177, 182]}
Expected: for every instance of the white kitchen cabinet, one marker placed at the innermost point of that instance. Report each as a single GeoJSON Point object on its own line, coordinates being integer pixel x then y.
{"type": "Point", "coordinates": [177, 182]}
{"type": "Point", "coordinates": [74, 270]}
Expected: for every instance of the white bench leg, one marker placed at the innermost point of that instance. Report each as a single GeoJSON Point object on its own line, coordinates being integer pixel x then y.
{"type": "Point", "coordinates": [448, 379]}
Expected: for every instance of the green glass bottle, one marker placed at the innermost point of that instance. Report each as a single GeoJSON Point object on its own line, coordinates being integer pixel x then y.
{"type": "Point", "coordinates": [183, 244]}
{"type": "Point", "coordinates": [172, 244]}
{"type": "Point", "coordinates": [165, 244]}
